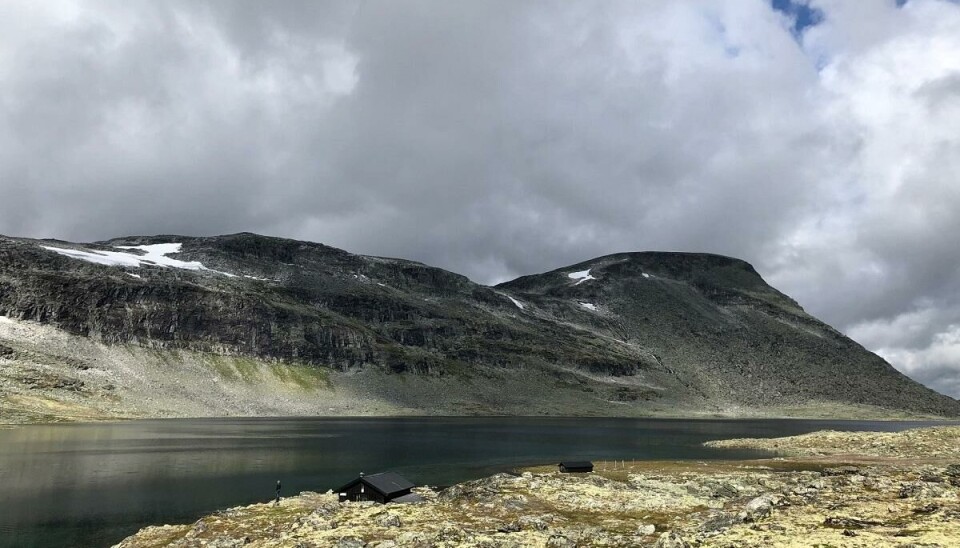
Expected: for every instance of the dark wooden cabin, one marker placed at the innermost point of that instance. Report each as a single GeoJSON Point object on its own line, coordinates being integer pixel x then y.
{"type": "Point", "coordinates": [578, 466]}
{"type": "Point", "coordinates": [383, 488]}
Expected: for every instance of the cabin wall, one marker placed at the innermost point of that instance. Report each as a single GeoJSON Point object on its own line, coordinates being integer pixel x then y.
{"type": "Point", "coordinates": [579, 470]}
{"type": "Point", "coordinates": [354, 494]}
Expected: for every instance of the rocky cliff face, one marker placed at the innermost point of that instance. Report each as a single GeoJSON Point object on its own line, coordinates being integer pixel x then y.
{"type": "Point", "coordinates": [631, 333]}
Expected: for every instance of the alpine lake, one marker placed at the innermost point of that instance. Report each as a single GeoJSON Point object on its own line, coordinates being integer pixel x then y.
{"type": "Point", "coordinates": [94, 484]}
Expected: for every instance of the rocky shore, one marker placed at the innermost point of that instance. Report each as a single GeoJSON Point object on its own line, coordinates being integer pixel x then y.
{"type": "Point", "coordinates": [830, 489]}
{"type": "Point", "coordinates": [920, 443]}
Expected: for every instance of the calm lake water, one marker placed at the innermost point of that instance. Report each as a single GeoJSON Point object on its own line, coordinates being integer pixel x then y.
{"type": "Point", "coordinates": [94, 484]}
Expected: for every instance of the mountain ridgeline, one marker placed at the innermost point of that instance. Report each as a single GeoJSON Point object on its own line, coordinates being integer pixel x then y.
{"type": "Point", "coordinates": [628, 334]}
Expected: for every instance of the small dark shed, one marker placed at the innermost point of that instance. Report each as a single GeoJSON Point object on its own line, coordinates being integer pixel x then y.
{"type": "Point", "coordinates": [576, 466]}
{"type": "Point", "coordinates": [383, 488]}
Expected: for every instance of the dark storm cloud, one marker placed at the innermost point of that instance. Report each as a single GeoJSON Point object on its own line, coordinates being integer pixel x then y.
{"type": "Point", "coordinates": [503, 138]}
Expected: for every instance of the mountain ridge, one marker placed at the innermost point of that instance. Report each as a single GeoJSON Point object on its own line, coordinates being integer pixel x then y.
{"type": "Point", "coordinates": [634, 333]}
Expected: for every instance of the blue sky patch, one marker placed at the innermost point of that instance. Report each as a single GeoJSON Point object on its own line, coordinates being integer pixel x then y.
{"type": "Point", "coordinates": [802, 14]}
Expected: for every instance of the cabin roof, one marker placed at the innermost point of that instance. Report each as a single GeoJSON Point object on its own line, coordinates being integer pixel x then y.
{"type": "Point", "coordinates": [409, 497]}
{"type": "Point", "coordinates": [385, 483]}
{"type": "Point", "coordinates": [576, 464]}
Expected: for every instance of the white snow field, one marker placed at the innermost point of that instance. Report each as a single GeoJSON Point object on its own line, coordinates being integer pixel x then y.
{"type": "Point", "coordinates": [581, 276]}
{"type": "Point", "coordinates": [154, 255]}
{"type": "Point", "coordinates": [589, 306]}
{"type": "Point", "coordinates": [516, 302]}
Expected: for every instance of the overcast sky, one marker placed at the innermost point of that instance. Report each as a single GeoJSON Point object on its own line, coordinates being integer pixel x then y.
{"type": "Point", "coordinates": [820, 141]}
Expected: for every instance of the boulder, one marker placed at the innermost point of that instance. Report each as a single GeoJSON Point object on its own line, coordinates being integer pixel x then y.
{"type": "Point", "coordinates": [389, 520]}
{"type": "Point", "coordinates": [840, 471]}
{"type": "Point", "coordinates": [920, 489]}
{"type": "Point", "coordinates": [841, 522]}
{"type": "Point", "coordinates": [758, 508]}
{"type": "Point", "coordinates": [953, 474]}
{"type": "Point", "coordinates": [510, 527]}
{"type": "Point", "coordinates": [351, 542]}
{"type": "Point", "coordinates": [719, 521]}
{"type": "Point", "coordinates": [726, 490]}
{"type": "Point", "coordinates": [415, 540]}
{"type": "Point", "coordinates": [670, 539]}
{"type": "Point", "coordinates": [560, 541]}
{"type": "Point", "coordinates": [224, 542]}
{"type": "Point", "coordinates": [535, 523]}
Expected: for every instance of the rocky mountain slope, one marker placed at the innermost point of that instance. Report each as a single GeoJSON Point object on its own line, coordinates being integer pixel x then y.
{"type": "Point", "coordinates": [246, 324]}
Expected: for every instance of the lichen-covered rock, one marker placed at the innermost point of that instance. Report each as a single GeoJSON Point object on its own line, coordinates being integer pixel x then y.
{"type": "Point", "coordinates": [718, 521]}
{"type": "Point", "coordinates": [758, 508]}
{"type": "Point", "coordinates": [671, 540]}
{"type": "Point", "coordinates": [560, 541]}
{"type": "Point", "coordinates": [351, 542]}
{"type": "Point", "coordinates": [952, 473]}
{"type": "Point", "coordinates": [920, 489]}
{"type": "Point", "coordinates": [389, 520]}
{"type": "Point", "coordinates": [840, 471]}
{"type": "Point", "coordinates": [534, 523]}
{"type": "Point", "coordinates": [647, 529]}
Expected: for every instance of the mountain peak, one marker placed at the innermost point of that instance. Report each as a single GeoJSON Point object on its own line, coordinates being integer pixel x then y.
{"type": "Point", "coordinates": [624, 334]}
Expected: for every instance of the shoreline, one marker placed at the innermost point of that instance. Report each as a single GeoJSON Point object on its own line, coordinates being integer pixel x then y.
{"type": "Point", "coordinates": [838, 489]}
{"type": "Point", "coordinates": [946, 421]}
{"type": "Point", "coordinates": [921, 422]}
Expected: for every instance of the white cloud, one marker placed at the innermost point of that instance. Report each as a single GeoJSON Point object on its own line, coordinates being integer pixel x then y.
{"type": "Point", "coordinates": [908, 330]}
{"type": "Point", "coordinates": [936, 365]}
{"type": "Point", "coordinates": [503, 138]}
{"type": "Point", "coordinates": [944, 350]}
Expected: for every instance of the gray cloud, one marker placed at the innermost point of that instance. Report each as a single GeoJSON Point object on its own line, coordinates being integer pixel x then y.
{"type": "Point", "coordinates": [502, 138]}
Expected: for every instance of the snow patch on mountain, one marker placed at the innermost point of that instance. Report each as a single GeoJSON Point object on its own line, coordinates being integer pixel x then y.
{"type": "Point", "coordinates": [581, 276]}
{"type": "Point", "coordinates": [153, 255]}
{"type": "Point", "coordinates": [589, 306]}
{"type": "Point", "coordinates": [107, 258]}
{"type": "Point", "coordinates": [516, 302]}
{"type": "Point", "coordinates": [157, 254]}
